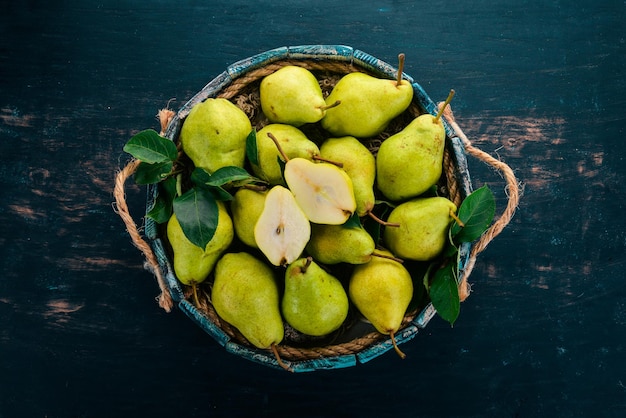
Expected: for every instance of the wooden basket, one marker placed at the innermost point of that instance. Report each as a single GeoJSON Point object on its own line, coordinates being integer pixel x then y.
{"type": "Point", "coordinates": [357, 342]}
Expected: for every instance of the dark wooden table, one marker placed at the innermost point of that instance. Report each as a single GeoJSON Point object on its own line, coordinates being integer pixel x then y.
{"type": "Point", "coordinates": [539, 85]}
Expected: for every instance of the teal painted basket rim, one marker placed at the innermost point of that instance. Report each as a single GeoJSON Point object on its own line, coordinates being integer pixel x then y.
{"type": "Point", "coordinates": [358, 61]}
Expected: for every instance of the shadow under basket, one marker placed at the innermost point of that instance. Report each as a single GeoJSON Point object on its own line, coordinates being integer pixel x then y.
{"type": "Point", "coordinates": [357, 341]}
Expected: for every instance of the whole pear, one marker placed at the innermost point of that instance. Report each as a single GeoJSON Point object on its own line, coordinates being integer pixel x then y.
{"type": "Point", "coordinates": [293, 142]}
{"type": "Point", "coordinates": [332, 244]}
{"type": "Point", "coordinates": [193, 264]}
{"type": "Point", "coordinates": [315, 302]}
{"type": "Point", "coordinates": [367, 106]}
{"type": "Point", "coordinates": [246, 208]}
{"type": "Point", "coordinates": [245, 294]}
{"type": "Point", "coordinates": [214, 134]}
{"type": "Point", "coordinates": [423, 230]}
{"type": "Point", "coordinates": [360, 165]}
{"type": "Point", "coordinates": [410, 162]}
{"type": "Point", "coordinates": [282, 229]}
{"type": "Point", "coordinates": [292, 95]}
{"type": "Point", "coordinates": [382, 290]}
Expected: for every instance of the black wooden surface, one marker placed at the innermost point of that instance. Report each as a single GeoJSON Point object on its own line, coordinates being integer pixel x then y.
{"type": "Point", "coordinates": [539, 84]}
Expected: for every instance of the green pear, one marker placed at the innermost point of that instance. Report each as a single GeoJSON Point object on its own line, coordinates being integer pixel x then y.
{"type": "Point", "coordinates": [367, 106]}
{"type": "Point", "coordinates": [193, 264]}
{"type": "Point", "coordinates": [315, 302]}
{"type": "Point", "coordinates": [293, 142]}
{"type": "Point", "coordinates": [360, 165]}
{"type": "Point", "coordinates": [411, 161]}
{"type": "Point", "coordinates": [246, 295]}
{"type": "Point", "coordinates": [332, 244]}
{"type": "Point", "coordinates": [292, 95]}
{"type": "Point", "coordinates": [382, 290]}
{"type": "Point", "coordinates": [246, 208]}
{"type": "Point", "coordinates": [323, 190]}
{"type": "Point", "coordinates": [423, 231]}
{"type": "Point", "coordinates": [282, 229]}
{"type": "Point", "coordinates": [214, 134]}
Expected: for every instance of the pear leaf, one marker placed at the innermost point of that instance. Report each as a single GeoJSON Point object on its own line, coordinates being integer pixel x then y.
{"type": "Point", "coordinates": [227, 175]}
{"type": "Point", "coordinates": [197, 213]}
{"type": "Point", "coordinates": [147, 173]}
{"type": "Point", "coordinates": [150, 147]}
{"type": "Point", "coordinates": [476, 212]}
{"type": "Point", "coordinates": [252, 151]}
{"type": "Point", "coordinates": [444, 293]}
{"type": "Point", "coordinates": [162, 209]}
{"type": "Point", "coordinates": [353, 221]}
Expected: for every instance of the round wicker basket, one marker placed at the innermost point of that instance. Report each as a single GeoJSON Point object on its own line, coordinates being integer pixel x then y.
{"type": "Point", "coordinates": [357, 341]}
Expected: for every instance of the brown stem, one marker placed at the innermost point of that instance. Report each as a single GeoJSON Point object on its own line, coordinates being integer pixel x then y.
{"type": "Point", "coordinates": [388, 257]}
{"type": "Point", "coordinates": [395, 346]}
{"type": "Point", "coordinates": [326, 160]}
{"type": "Point", "coordinates": [278, 359]}
{"type": "Point", "coordinates": [443, 107]}
{"type": "Point", "coordinates": [330, 106]}
{"type": "Point", "coordinates": [400, 69]}
{"type": "Point", "coordinates": [280, 149]}
{"type": "Point", "coordinates": [380, 221]}
{"type": "Point", "coordinates": [196, 301]}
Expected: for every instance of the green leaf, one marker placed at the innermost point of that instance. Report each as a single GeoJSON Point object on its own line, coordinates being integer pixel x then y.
{"type": "Point", "coordinates": [197, 213]}
{"type": "Point", "coordinates": [353, 221]}
{"type": "Point", "coordinates": [150, 147]}
{"type": "Point", "coordinates": [152, 173]}
{"type": "Point", "coordinates": [202, 179]}
{"type": "Point", "coordinates": [444, 294]}
{"type": "Point", "coordinates": [162, 209]}
{"type": "Point", "coordinates": [227, 175]}
{"type": "Point", "coordinates": [476, 212]}
{"type": "Point", "coordinates": [252, 151]}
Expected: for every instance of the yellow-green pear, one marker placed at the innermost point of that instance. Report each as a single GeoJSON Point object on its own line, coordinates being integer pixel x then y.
{"type": "Point", "coordinates": [367, 106]}
{"type": "Point", "coordinates": [214, 134]}
{"type": "Point", "coordinates": [323, 190]}
{"type": "Point", "coordinates": [246, 208]}
{"type": "Point", "coordinates": [246, 295]}
{"type": "Point", "coordinates": [315, 302]}
{"type": "Point", "coordinates": [382, 290]}
{"type": "Point", "coordinates": [360, 165]}
{"type": "Point", "coordinates": [423, 228]}
{"type": "Point", "coordinates": [193, 264]}
{"type": "Point", "coordinates": [282, 229]}
{"type": "Point", "coordinates": [292, 95]}
{"type": "Point", "coordinates": [410, 162]}
{"type": "Point", "coordinates": [332, 244]}
{"type": "Point", "coordinates": [293, 142]}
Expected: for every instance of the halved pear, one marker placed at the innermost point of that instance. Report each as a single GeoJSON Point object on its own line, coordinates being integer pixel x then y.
{"type": "Point", "coordinates": [282, 230]}
{"type": "Point", "coordinates": [323, 190]}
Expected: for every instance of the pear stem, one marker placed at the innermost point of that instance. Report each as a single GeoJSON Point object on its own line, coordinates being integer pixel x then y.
{"type": "Point", "coordinates": [330, 106]}
{"type": "Point", "coordinates": [280, 149]}
{"type": "Point", "coordinates": [380, 221]}
{"type": "Point", "coordinates": [278, 359]}
{"type": "Point", "coordinates": [388, 257]}
{"type": "Point", "coordinates": [400, 69]}
{"type": "Point", "coordinates": [306, 264]}
{"type": "Point", "coordinates": [326, 160]}
{"type": "Point", "coordinates": [456, 218]}
{"type": "Point", "coordinates": [196, 301]}
{"type": "Point", "coordinates": [256, 187]}
{"type": "Point", "coordinates": [395, 346]}
{"type": "Point", "coordinates": [446, 103]}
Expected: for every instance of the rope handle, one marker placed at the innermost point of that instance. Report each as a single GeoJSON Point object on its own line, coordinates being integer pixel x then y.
{"type": "Point", "coordinates": [512, 190]}
{"type": "Point", "coordinates": [165, 298]}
